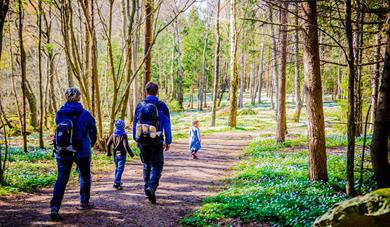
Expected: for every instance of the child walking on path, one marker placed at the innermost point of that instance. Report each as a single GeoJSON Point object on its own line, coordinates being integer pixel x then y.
{"type": "Point", "coordinates": [194, 139]}
{"type": "Point", "coordinates": [120, 143]}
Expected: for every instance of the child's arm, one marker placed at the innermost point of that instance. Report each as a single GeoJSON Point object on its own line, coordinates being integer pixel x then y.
{"type": "Point", "coordinates": [127, 147]}
{"type": "Point", "coordinates": [109, 142]}
{"type": "Point", "coordinates": [198, 131]}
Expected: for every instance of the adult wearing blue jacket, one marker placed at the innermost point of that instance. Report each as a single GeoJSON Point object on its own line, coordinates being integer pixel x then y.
{"type": "Point", "coordinates": [152, 154]}
{"type": "Point", "coordinates": [84, 138]}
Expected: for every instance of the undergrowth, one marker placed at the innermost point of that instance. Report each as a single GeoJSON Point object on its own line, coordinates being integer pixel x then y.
{"type": "Point", "coordinates": [271, 186]}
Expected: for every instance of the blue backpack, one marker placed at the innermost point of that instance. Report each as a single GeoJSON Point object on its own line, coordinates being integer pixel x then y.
{"type": "Point", "coordinates": [64, 135]}
{"type": "Point", "coordinates": [149, 115]}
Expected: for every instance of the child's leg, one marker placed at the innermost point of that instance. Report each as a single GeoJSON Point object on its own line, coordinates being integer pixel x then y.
{"type": "Point", "coordinates": [116, 170]}
{"type": "Point", "coordinates": [120, 168]}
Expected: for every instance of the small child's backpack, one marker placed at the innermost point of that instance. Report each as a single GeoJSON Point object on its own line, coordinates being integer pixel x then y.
{"type": "Point", "coordinates": [64, 135]}
{"type": "Point", "coordinates": [148, 124]}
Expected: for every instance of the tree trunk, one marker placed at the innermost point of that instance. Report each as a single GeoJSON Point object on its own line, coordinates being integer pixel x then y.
{"type": "Point", "coordinates": [112, 71]}
{"type": "Point", "coordinates": [203, 78]}
{"type": "Point", "coordinates": [181, 76]}
{"type": "Point", "coordinates": [358, 79]}
{"type": "Point", "coordinates": [297, 79]}
{"type": "Point", "coordinates": [135, 86]}
{"type": "Point", "coordinates": [316, 126]}
{"type": "Point", "coordinates": [339, 78]}
{"type": "Point", "coordinates": [242, 82]}
{"type": "Point", "coordinates": [23, 74]}
{"type": "Point", "coordinates": [350, 189]}
{"type": "Point", "coordinates": [380, 148]}
{"type": "Point", "coordinates": [95, 77]}
{"type": "Point", "coordinates": [148, 41]}
{"type": "Point", "coordinates": [216, 67]}
{"type": "Point", "coordinates": [274, 48]}
{"type": "Point", "coordinates": [41, 109]}
{"type": "Point", "coordinates": [252, 83]}
{"type": "Point", "coordinates": [128, 62]}
{"type": "Point", "coordinates": [4, 4]}
{"type": "Point", "coordinates": [375, 82]}
{"type": "Point", "coordinates": [281, 114]}
{"type": "Point", "coordinates": [232, 122]}
{"type": "Point", "coordinates": [261, 71]}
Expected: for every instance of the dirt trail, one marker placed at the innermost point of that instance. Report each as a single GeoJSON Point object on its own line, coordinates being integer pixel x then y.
{"type": "Point", "coordinates": [183, 185]}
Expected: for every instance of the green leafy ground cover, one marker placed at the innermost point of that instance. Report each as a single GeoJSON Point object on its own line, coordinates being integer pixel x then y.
{"type": "Point", "coordinates": [271, 186]}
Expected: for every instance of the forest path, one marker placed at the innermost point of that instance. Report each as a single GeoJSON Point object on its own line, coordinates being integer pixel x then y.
{"type": "Point", "coordinates": [184, 183]}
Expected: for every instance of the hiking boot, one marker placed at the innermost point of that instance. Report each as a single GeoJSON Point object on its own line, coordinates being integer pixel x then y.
{"type": "Point", "coordinates": [54, 215]}
{"type": "Point", "coordinates": [86, 206]}
{"type": "Point", "coordinates": [150, 194]}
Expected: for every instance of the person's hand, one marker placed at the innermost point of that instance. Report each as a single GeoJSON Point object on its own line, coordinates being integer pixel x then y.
{"type": "Point", "coordinates": [166, 147]}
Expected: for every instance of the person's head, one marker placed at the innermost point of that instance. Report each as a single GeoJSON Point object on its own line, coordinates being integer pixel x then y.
{"type": "Point", "coordinates": [120, 125]}
{"type": "Point", "coordinates": [73, 94]}
{"type": "Point", "coordinates": [151, 88]}
{"type": "Point", "coordinates": [195, 123]}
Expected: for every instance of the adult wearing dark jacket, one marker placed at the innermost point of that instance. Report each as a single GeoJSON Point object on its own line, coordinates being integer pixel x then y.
{"type": "Point", "coordinates": [84, 139]}
{"type": "Point", "coordinates": [152, 155]}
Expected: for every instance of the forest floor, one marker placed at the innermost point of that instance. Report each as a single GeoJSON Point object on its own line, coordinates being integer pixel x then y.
{"type": "Point", "coordinates": [184, 184]}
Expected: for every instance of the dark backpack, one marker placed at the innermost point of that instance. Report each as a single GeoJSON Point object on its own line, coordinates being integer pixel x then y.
{"type": "Point", "coordinates": [64, 135]}
{"type": "Point", "coordinates": [149, 114]}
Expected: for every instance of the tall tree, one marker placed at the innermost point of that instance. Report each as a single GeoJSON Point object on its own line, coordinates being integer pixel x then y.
{"type": "Point", "coordinates": [148, 39]}
{"type": "Point", "coordinates": [216, 66]}
{"type": "Point", "coordinates": [261, 70]}
{"type": "Point", "coordinates": [4, 4]}
{"type": "Point", "coordinates": [274, 59]}
{"type": "Point", "coordinates": [202, 88]}
{"type": "Point", "coordinates": [351, 99]}
{"type": "Point", "coordinates": [297, 79]}
{"type": "Point", "coordinates": [281, 110]}
{"type": "Point", "coordinates": [23, 74]}
{"type": "Point", "coordinates": [40, 11]}
{"type": "Point", "coordinates": [128, 54]}
{"type": "Point", "coordinates": [181, 69]}
{"type": "Point", "coordinates": [375, 81]}
{"type": "Point", "coordinates": [232, 122]}
{"type": "Point", "coordinates": [380, 145]}
{"type": "Point", "coordinates": [316, 125]}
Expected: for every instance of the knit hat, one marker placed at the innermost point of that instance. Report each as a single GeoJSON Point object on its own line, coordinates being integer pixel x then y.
{"type": "Point", "coordinates": [119, 128]}
{"type": "Point", "coordinates": [120, 124]}
{"type": "Point", "coordinates": [72, 94]}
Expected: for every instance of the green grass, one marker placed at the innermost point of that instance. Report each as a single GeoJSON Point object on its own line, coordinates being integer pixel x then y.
{"type": "Point", "coordinates": [28, 171]}
{"type": "Point", "coordinates": [271, 185]}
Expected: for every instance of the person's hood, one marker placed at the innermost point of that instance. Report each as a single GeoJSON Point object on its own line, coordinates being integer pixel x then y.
{"type": "Point", "coordinates": [71, 108]}
{"type": "Point", "coordinates": [151, 98]}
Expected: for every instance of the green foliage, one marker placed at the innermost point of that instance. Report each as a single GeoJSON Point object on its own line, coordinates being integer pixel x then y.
{"type": "Point", "coordinates": [37, 168]}
{"type": "Point", "coordinates": [271, 186]}
{"type": "Point", "coordinates": [174, 106]}
{"type": "Point", "coordinates": [247, 111]}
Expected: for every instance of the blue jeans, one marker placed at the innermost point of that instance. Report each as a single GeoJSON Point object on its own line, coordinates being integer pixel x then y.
{"type": "Point", "coordinates": [64, 167]}
{"type": "Point", "coordinates": [120, 161]}
{"type": "Point", "coordinates": [153, 160]}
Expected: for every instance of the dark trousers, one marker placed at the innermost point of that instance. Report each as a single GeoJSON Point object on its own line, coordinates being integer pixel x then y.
{"type": "Point", "coordinates": [64, 166]}
{"type": "Point", "coordinates": [153, 159]}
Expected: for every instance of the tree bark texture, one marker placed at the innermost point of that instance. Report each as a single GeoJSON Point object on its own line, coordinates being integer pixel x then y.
{"type": "Point", "coordinates": [350, 188]}
{"type": "Point", "coordinates": [281, 113]}
{"type": "Point", "coordinates": [148, 41]}
{"type": "Point", "coordinates": [311, 59]}
{"type": "Point", "coordinates": [232, 121]}
{"type": "Point", "coordinates": [379, 151]}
